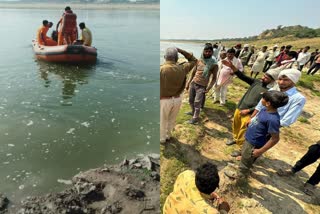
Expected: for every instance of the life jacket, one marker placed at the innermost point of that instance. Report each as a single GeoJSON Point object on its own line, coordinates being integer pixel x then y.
{"type": "Point", "coordinates": [41, 35]}
{"type": "Point", "coordinates": [69, 22]}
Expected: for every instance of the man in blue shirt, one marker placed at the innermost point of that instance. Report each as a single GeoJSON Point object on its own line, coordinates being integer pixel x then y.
{"type": "Point", "coordinates": [289, 113]}
{"type": "Point", "coordinates": [262, 133]}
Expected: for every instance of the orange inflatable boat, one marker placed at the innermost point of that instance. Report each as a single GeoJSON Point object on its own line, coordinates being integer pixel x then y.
{"type": "Point", "coordinates": [65, 53]}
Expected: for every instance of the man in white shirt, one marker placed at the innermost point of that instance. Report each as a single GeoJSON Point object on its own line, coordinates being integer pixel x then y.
{"type": "Point", "coordinates": [303, 58]}
{"type": "Point", "coordinates": [272, 54]}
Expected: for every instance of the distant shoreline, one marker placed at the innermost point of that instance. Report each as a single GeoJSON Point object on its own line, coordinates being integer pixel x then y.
{"type": "Point", "coordinates": [79, 6]}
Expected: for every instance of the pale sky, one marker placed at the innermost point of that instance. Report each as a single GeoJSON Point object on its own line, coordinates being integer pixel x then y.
{"type": "Point", "coordinates": [216, 19]}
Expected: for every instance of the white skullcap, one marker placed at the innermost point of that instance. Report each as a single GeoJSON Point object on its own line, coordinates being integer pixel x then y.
{"type": "Point", "coordinates": [293, 74]}
{"type": "Point", "coordinates": [246, 46]}
{"type": "Point", "coordinates": [273, 73]}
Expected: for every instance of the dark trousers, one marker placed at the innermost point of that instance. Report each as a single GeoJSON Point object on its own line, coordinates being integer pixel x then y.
{"type": "Point", "coordinates": [312, 155]}
{"type": "Point", "coordinates": [315, 66]}
{"type": "Point", "coordinates": [267, 65]}
{"type": "Point", "coordinates": [300, 67]}
{"type": "Point", "coordinates": [203, 101]}
{"type": "Point", "coordinates": [196, 97]}
{"type": "Point", "coordinates": [247, 160]}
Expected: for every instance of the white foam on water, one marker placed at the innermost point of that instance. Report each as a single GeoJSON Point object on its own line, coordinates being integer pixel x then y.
{"type": "Point", "coordinates": [21, 187]}
{"type": "Point", "coordinates": [71, 130]}
{"type": "Point", "coordinates": [112, 120]}
{"type": "Point", "coordinates": [62, 181]}
{"type": "Point", "coordinates": [30, 123]}
{"type": "Point", "coordinates": [11, 145]}
{"type": "Point", "coordinates": [86, 124]}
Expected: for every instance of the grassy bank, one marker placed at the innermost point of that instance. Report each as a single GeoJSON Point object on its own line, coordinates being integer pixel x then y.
{"type": "Point", "coordinates": [194, 145]}
{"type": "Point", "coordinates": [80, 6]}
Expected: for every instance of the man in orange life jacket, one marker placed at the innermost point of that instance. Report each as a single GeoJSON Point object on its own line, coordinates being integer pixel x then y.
{"type": "Point", "coordinates": [42, 37]}
{"type": "Point", "coordinates": [68, 30]}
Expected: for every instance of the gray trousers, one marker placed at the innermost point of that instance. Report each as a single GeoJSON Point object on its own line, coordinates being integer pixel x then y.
{"type": "Point", "coordinates": [196, 97]}
{"type": "Point", "coordinates": [247, 159]}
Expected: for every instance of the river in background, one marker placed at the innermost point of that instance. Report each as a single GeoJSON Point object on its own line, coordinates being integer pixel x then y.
{"type": "Point", "coordinates": [195, 48]}
{"type": "Point", "coordinates": [57, 120]}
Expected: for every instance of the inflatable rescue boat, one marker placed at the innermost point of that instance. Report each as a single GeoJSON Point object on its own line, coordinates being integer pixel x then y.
{"type": "Point", "coordinates": [65, 53]}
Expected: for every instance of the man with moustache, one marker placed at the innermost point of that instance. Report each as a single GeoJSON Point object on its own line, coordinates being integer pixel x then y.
{"type": "Point", "coordinates": [247, 104]}
{"type": "Point", "coordinates": [199, 81]}
{"type": "Point", "coordinates": [289, 113]}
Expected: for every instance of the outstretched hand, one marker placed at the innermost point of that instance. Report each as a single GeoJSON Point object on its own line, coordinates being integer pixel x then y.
{"type": "Point", "coordinates": [222, 204]}
{"type": "Point", "coordinates": [229, 64]}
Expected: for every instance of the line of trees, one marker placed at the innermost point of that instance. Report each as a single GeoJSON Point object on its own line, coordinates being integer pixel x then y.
{"type": "Point", "coordinates": [297, 31]}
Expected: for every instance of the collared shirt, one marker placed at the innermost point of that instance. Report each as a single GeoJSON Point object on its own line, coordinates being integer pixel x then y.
{"type": "Point", "coordinates": [290, 112]}
{"type": "Point", "coordinates": [224, 76]}
{"type": "Point", "coordinates": [303, 58]}
{"type": "Point", "coordinates": [173, 76]}
{"type": "Point", "coordinates": [186, 198]}
{"type": "Point", "coordinates": [199, 78]}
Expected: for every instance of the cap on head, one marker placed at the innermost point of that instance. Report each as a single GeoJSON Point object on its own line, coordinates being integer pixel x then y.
{"type": "Point", "coordinates": [273, 73]}
{"type": "Point", "coordinates": [293, 74]}
{"type": "Point", "coordinates": [246, 46]}
{"type": "Point", "coordinates": [275, 46]}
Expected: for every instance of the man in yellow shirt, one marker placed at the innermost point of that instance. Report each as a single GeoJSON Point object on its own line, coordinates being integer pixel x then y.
{"type": "Point", "coordinates": [193, 193]}
{"type": "Point", "coordinates": [86, 36]}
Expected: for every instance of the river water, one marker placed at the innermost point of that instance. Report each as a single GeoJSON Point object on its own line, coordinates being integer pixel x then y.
{"type": "Point", "coordinates": [195, 48]}
{"type": "Point", "coordinates": [57, 120]}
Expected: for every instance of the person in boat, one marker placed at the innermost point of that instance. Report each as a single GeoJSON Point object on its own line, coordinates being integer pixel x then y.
{"type": "Point", "coordinates": [67, 33]}
{"type": "Point", "coordinates": [42, 37]}
{"type": "Point", "coordinates": [86, 36]}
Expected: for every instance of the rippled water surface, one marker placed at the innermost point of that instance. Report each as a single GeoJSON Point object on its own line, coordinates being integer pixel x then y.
{"type": "Point", "coordinates": [57, 120]}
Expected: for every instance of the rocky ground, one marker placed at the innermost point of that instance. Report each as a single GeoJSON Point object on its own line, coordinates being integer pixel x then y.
{"type": "Point", "coordinates": [267, 192]}
{"type": "Point", "coordinates": [130, 187]}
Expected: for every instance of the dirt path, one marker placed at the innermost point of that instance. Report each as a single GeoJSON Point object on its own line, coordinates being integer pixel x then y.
{"type": "Point", "coordinates": [267, 192]}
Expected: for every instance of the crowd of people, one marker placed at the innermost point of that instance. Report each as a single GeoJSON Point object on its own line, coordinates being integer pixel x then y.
{"type": "Point", "coordinates": [269, 103]}
{"type": "Point", "coordinates": [66, 32]}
